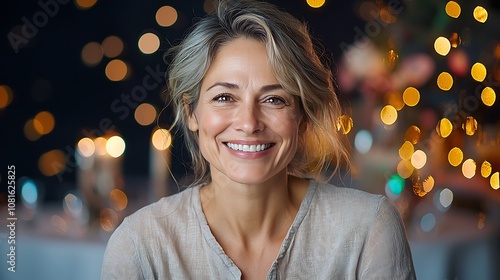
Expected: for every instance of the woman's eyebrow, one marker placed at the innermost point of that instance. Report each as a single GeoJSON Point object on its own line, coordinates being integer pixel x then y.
{"type": "Point", "coordinates": [224, 84]}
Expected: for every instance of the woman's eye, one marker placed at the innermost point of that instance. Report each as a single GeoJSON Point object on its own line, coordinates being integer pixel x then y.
{"type": "Point", "coordinates": [223, 98]}
{"type": "Point", "coordinates": [275, 100]}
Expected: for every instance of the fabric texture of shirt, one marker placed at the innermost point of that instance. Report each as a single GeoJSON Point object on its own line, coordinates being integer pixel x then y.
{"type": "Point", "coordinates": [338, 233]}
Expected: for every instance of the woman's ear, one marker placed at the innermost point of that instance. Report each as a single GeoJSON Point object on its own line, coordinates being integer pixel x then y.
{"type": "Point", "coordinates": [192, 120]}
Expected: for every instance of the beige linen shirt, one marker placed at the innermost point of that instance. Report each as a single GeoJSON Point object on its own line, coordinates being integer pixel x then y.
{"type": "Point", "coordinates": [338, 233]}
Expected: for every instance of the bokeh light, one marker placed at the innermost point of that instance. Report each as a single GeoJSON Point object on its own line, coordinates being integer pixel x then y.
{"type": "Point", "coordinates": [86, 147]}
{"type": "Point", "coordinates": [396, 184]}
{"type": "Point", "coordinates": [30, 132]}
{"type": "Point", "coordinates": [145, 114]}
{"type": "Point", "coordinates": [480, 14]}
{"type": "Point", "coordinates": [406, 150]}
{"type": "Point", "coordinates": [29, 193]}
{"type": "Point", "coordinates": [363, 141]}
{"type": "Point", "coordinates": [446, 197]}
{"type": "Point", "coordinates": [115, 146]}
{"type": "Point", "coordinates": [444, 127]}
{"type": "Point", "coordinates": [73, 205]}
{"type": "Point", "coordinates": [108, 219]}
{"type": "Point", "coordinates": [92, 54]}
{"type": "Point", "coordinates": [100, 146]}
{"type": "Point", "coordinates": [149, 43]}
{"type": "Point", "coordinates": [428, 222]}
{"type": "Point", "coordinates": [453, 9]}
{"type": "Point", "coordinates": [388, 115]}
{"type": "Point", "coordinates": [445, 81]}
{"type": "Point", "coordinates": [442, 46]}
{"type": "Point", "coordinates": [486, 169]}
{"type": "Point", "coordinates": [315, 3]}
{"type": "Point", "coordinates": [112, 46]}
{"type": "Point", "coordinates": [44, 122]}
{"type": "Point", "coordinates": [428, 184]}
{"type": "Point", "coordinates": [418, 159]}
{"type": "Point", "coordinates": [470, 125]}
{"type": "Point", "coordinates": [478, 71]}
{"type": "Point", "coordinates": [344, 124]}
{"type": "Point", "coordinates": [161, 139]}
{"type": "Point", "coordinates": [405, 169]}
{"type": "Point", "coordinates": [395, 99]}
{"type": "Point", "coordinates": [411, 96]}
{"type": "Point", "coordinates": [455, 156]}
{"type": "Point", "coordinates": [495, 181]}
{"type": "Point", "coordinates": [412, 134]}
{"type": "Point", "coordinates": [6, 96]}
{"type": "Point", "coordinates": [116, 70]}
{"type": "Point", "coordinates": [455, 40]}
{"type": "Point", "coordinates": [85, 4]}
{"type": "Point", "coordinates": [488, 96]}
{"type": "Point", "coordinates": [469, 168]}
{"type": "Point", "coordinates": [52, 162]}
{"type": "Point", "coordinates": [166, 16]}
{"type": "Point", "coordinates": [118, 199]}
{"type": "Point", "coordinates": [59, 224]}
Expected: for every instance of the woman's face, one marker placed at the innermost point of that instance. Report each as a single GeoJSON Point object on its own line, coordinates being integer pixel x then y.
{"type": "Point", "coordinates": [247, 124]}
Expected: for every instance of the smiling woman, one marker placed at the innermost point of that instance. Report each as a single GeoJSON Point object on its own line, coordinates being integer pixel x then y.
{"type": "Point", "coordinates": [258, 112]}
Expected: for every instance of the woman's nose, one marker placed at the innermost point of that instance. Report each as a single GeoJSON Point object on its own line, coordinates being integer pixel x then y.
{"type": "Point", "coordinates": [248, 119]}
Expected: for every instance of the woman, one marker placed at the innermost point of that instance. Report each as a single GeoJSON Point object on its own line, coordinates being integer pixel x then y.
{"type": "Point", "coordinates": [258, 114]}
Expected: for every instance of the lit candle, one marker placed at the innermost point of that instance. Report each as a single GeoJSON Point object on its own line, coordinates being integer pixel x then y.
{"type": "Point", "coordinates": [159, 163]}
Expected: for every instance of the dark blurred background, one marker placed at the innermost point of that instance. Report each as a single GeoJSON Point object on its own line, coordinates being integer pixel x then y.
{"type": "Point", "coordinates": [80, 97]}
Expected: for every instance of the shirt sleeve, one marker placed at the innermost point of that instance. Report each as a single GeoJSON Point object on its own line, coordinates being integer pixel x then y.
{"type": "Point", "coordinates": [386, 253]}
{"type": "Point", "coordinates": [121, 259]}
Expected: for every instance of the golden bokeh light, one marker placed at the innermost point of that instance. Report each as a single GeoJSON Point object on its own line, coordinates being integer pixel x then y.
{"type": "Point", "coordinates": [115, 146]}
{"type": "Point", "coordinates": [388, 115]}
{"type": "Point", "coordinates": [85, 4]}
{"type": "Point", "coordinates": [86, 147]}
{"type": "Point", "coordinates": [405, 169]}
{"type": "Point", "coordinates": [386, 15]}
{"type": "Point", "coordinates": [112, 46]}
{"type": "Point", "coordinates": [480, 14]}
{"type": "Point", "coordinates": [391, 59]}
{"type": "Point", "coordinates": [455, 40]}
{"type": "Point", "coordinates": [344, 124]}
{"type": "Point", "coordinates": [444, 127]}
{"type": "Point", "coordinates": [118, 199]}
{"type": "Point", "coordinates": [455, 156]}
{"type": "Point", "coordinates": [445, 81]}
{"type": "Point", "coordinates": [44, 122]}
{"type": "Point", "coordinates": [488, 96]}
{"type": "Point", "coordinates": [395, 99]}
{"type": "Point", "coordinates": [495, 181]}
{"type": "Point", "coordinates": [453, 9]}
{"type": "Point", "coordinates": [442, 46]}
{"type": "Point", "coordinates": [418, 159]}
{"type": "Point", "coordinates": [145, 114]}
{"type": "Point", "coordinates": [6, 96]}
{"type": "Point", "coordinates": [30, 132]}
{"type": "Point", "coordinates": [469, 168]}
{"type": "Point", "coordinates": [161, 139]}
{"type": "Point", "coordinates": [116, 70]}
{"type": "Point", "coordinates": [428, 184]}
{"type": "Point", "coordinates": [52, 162]}
{"type": "Point", "coordinates": [108, 219]}
{"type": "Point", "coordinates": [149, 43]}
{"type": "Point", "coordinates": [411, 96]}
{"type": "Point", "coordinates": [406, 150]}
{"type": "Point", "coordinates": [478, 72]}
{"type": "Point", "coordinates": [486, 169]}
{"type": "Point", "coordinates": [315, 3]}
{"type": "Point", "coordinates": [92, 54]}
{"type": "Point", "coordinates": [412, 134]}
{"type": "Point", "coordinates": [100, 146]}
{"type": "Point", "coordinates": [166, 16]}
{"type": "Point", "coordinates": [470, 126]}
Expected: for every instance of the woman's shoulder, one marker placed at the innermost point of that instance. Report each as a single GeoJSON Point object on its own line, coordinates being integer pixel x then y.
{"type": "Point", "coordinates": [163, 209]}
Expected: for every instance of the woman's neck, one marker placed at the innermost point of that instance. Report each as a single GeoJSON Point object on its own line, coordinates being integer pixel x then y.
{"type": "Point", "coordinates": [249, 213]}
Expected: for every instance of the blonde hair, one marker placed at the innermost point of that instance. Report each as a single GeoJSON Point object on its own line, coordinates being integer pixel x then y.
{"type": "Point", "coordinates": [295, 64]}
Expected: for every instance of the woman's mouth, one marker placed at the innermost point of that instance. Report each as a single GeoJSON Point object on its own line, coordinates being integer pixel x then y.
{"type": "Point", "coordinates": [248, 148]}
